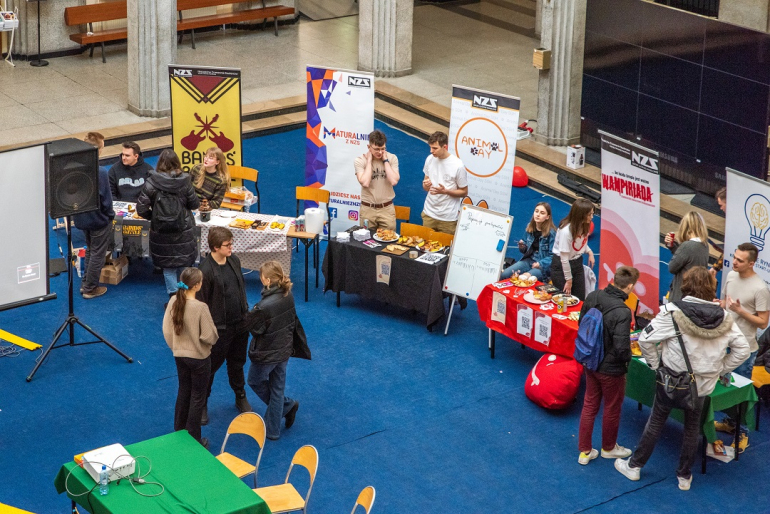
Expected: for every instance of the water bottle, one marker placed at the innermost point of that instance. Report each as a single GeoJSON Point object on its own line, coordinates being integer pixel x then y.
{"type": "Point", "coordinates": [104, 481]}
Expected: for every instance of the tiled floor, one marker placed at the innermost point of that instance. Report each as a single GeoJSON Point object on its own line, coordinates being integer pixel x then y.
{"type": "Point", "coordinates": [486, 44]}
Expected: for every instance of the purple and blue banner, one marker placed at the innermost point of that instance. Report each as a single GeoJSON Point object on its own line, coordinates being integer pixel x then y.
{"type": "Point", "coordinates": [340, 116]}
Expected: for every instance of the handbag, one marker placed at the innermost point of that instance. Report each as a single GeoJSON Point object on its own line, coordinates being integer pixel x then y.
{"type": "Point", "coordinates": [676, 388]}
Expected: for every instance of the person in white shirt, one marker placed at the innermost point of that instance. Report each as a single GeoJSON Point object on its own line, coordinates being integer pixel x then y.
{"type": "Point", "coordinates": [570, 245]}
{"type": "Point", "coordinates": [446, 182]}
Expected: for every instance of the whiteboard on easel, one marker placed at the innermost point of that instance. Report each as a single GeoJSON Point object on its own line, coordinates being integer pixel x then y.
{"type": "Point", "coordinates": [478, 251]}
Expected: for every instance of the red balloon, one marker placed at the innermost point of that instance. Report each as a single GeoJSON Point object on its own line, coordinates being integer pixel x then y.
{"type": "Point", "coordinates": [520, 178]}
{"type": "Point", "coordinates": [591, 231]}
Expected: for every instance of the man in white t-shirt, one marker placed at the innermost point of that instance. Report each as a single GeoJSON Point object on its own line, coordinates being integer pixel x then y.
{"type": "Point", "coordinates": [446, 182]}
{"type": "Point", "coordinates": [747, 299]}
{"type": "Point", "coordinates": [377, 172]}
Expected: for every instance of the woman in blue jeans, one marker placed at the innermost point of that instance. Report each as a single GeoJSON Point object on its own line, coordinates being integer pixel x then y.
{"type": "Point", "coordinates": [537, 245]}
{"type": "Point", "coordinates": [272, 324]}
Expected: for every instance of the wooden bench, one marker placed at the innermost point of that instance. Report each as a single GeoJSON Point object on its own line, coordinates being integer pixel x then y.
{"type": "Point", "coordinates": [94, 13]}
{"type": "Point", "coordinates": [110, 11]}
{"type": "Point", "coordinates": [213, 20]}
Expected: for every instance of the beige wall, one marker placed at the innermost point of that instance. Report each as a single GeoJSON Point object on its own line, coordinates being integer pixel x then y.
{"type": "Point", "coordinates": [746, 13]}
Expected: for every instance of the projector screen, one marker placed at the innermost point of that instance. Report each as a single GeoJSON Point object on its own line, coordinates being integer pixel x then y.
{"type": "Point", "coordinates": [23, 228]}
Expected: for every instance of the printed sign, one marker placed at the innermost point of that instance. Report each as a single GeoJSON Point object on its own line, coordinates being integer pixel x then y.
{"type": "Point", "coordinates": [383, 269]}
{"type": "Point", "coordinates": [630, 217]}
{"type": "Point", "coordinates": [205, 112]}
{"type": "Point", "coordinates": [524, 320]}
{"type": "Point", "coordinates": [499, 304]}
{"type": "Point", "coordinates": [482, 133]}
{"type": "Point", "coordinates": [28, 273]}
{"type": "Point", "coordinates": [340, 116]}
{"type": "Point", "coordinates": [542, 328]}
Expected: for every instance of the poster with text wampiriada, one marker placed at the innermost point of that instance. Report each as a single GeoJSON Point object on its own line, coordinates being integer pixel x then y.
{"type": "Point", "coordinates": [340, 116]}
{"type": "Point", "coordinates": [482, 133]}
{"type": "Point", "coordinates": [630, 217]}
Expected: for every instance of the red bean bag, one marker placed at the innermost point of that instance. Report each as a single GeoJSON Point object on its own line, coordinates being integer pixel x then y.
{"type": "Point", "coordinates": [554, 381]}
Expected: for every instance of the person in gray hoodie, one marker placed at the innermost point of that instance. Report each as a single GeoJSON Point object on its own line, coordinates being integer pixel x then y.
{"type": "Point", "coordinates": [707, 332]}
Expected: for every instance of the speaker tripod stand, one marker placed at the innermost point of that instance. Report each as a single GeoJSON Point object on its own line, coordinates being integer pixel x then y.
{"type": "Point", "coordinates": [72, 320]}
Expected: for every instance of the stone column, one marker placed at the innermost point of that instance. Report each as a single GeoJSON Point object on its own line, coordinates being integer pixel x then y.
{"type": "Point", "coordinates": [561, 86]}
{"type": "Point", "coordinates": [151, 48]}
{"type": "Point", "coordinates": [385, 37]}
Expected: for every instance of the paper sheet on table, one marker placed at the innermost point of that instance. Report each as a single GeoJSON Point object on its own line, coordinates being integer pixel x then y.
{"type": "Point", "coordinates": [218, 221]}
{"type": "Point", "coordinates": [729, 450]}
{"type": "Point", "coordinates": [740, 380]}
{"type": "Point", "coordinates": [499, 305]}
{"type": "Point", "coordinates": [524, 320]}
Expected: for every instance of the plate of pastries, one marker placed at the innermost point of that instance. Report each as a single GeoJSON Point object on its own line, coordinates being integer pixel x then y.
{"type": "Point", "coordinates": [410, 240]}
{"type": "Point", "coordinates": [537, 297]}
{"type": "Point", "coordinates": [430, 246]}
{"type": "Point", "coordinates": [385, 236]}
{"type": "Point", "coordinates": [523, 280]}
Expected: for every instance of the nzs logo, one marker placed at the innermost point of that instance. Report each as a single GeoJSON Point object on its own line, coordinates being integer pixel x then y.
{"type": "Point", "coordinates": [353, 215]}
{"type": "Point", "coordinates": [483, 102]}
{"type": "Point", "coordinates": [359, 81]}
{"type": "Point", "coordinates": [183, 73]}
{"type": "Point", "coordinates": [644, 161]}
{"type": "Point", "coordinates": [331, 133]}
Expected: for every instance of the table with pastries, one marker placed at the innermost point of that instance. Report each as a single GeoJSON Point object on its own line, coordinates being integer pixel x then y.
{"type": "Point", "coordinates": [352, 267]}
{"type": "Point", "coordinates": [253, 247]}
{"type": "Point", "coordinates": [193, 480]}
{"type": "Point", "coordinates": [503, 308]}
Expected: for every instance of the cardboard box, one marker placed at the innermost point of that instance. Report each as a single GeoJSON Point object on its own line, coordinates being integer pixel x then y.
{"type": "Point", "coordinates": [114, 271]}
{"type": "Point", "coordinates": [541, 59]}
{"type": "Point", "coordinates": [576, 157]}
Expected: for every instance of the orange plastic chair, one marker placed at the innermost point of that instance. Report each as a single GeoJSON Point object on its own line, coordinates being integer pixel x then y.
{"type": "Point", "coordinates": [410, 229]}
{"type": "Point", "coordinates": [311, 194]}
{"type": "Point", "coordinates": [402, 214]}
{"type": "Point", "coordinates": [243, 173]}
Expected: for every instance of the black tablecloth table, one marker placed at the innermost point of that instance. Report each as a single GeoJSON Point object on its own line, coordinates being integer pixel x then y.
{"type": "Point", "coordinates": [413, 285]}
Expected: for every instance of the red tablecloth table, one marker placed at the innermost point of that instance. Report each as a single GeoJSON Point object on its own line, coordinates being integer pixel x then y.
{"type": "Point", "coordinates": [563, 331]}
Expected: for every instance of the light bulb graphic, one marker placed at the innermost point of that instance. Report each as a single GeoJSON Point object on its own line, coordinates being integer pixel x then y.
{"type": "Point", "coordinates": [757, 210]}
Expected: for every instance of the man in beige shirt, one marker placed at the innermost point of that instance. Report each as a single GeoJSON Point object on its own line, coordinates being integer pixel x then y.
{"type": "Point", "coordinates": [377, 172]}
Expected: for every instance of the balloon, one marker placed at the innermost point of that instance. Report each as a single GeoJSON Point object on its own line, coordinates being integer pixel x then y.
{"type": "Point", "coordinates": [520, 178]}
{"type": "Point", "coordinates": [591, 231]}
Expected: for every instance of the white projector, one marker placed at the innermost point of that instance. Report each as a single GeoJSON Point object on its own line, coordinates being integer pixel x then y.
{"type": "Point", "coordinates": [118, 461]}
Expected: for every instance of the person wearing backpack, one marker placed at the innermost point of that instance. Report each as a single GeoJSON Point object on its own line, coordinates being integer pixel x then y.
{"type": "Point", "coordinates": [167, 199]}
{"type": "Point", "coordinates": [604, 348]}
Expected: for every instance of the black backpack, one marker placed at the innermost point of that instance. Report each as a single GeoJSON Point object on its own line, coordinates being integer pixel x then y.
{"type": "Point", "coordinates": [168, 213]}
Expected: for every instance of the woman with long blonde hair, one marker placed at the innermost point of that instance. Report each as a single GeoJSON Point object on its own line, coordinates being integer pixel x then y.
{"type": "Point", "coordinates": [275, 327]}
{"type": "Point", "coordinates": [689, 248]}
{"type": "Point", "coordinates": [190, 333]}
{"type": "Point", "coordinates": [211, 178]}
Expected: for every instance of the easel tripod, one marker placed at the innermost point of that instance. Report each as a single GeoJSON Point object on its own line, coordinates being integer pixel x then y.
{"type": "Point", "coordinates": [72, 320]}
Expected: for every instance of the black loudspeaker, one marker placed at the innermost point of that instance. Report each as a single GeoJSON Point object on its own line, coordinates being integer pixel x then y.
{"type": "Point", "coordinates": [73, 177]}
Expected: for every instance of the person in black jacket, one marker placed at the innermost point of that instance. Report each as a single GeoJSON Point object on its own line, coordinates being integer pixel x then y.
{"type": "Point", "coordinates": [273, 324]}
{"type": "Point", "coordinates": [129, 174]}
{"type": "Point", "coordinates": [224, 292]}
{"type": "Point", "coordinates": [172, 251]}
{"type": "Point", "coordinates": [608, 382]}
{"type": "Point", "coordinates": [97, 227]}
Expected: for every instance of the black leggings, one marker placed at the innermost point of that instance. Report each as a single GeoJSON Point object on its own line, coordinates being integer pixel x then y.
{"type": "Point", "coordinates": [578, 277]}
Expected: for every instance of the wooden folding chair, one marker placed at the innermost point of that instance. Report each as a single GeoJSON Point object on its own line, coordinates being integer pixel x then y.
{"type": "Point", "coordinates": [242, 173]}
{"type": "Point", "coordinates": [410, 229]}
{"type": "Point", "coordinates": [311, 194]}
{"type": "Point", "coordinates": [284, 497]}
{"type": "Point", "coordinates": [402, 214]}
{"type": "Point", "coordinates": [252, 425]}
{"type": "Point", "coordinates": [365, 499]}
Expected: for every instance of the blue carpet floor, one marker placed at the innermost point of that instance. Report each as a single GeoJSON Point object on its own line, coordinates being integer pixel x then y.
{"type": "Point", "coordinates": [431, 421]}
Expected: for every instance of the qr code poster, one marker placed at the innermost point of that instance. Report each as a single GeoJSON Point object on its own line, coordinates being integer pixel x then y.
{"type": "Point", "coordinates": [524, 320]}
{"type": "Point", "coordinates": [383, 269]}
{"type": "Point", "coordinates": [498, 307]}
{"type": "Point", "coordinates": [542, 328]}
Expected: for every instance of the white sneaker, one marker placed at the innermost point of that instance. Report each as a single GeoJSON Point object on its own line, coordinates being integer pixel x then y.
{"type": "Point", "coordinates": [684, 483]}
{"type": "Point", "coordinates": [626, 470]}
{"type": "Point", "coordinates": [586, 458]}
{"type": "Point", "coordinates": [619, 452]}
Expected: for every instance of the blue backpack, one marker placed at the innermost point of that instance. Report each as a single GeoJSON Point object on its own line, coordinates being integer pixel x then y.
{"type": "Point", "coordinates": [589, 344]}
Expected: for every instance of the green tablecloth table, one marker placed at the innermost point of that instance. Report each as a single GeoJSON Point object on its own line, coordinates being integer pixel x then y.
{"type": "Point", "coordinates": [640, 386]}
{"type": "Point", "coordinates": [194, 480]}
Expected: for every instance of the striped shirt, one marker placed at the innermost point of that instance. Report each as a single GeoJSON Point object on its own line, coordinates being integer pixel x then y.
{"type": "Point", "coordinates": [213, 188]}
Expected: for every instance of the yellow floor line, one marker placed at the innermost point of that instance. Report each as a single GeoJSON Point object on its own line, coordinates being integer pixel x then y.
{"type": "Point", "coordinates": [18, 341]}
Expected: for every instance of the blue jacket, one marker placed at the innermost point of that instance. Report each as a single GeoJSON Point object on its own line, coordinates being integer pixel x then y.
{"type": "Point", "coordinates": [545, 250]}
{"type": "Point", "coordinates": [95, 220]}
